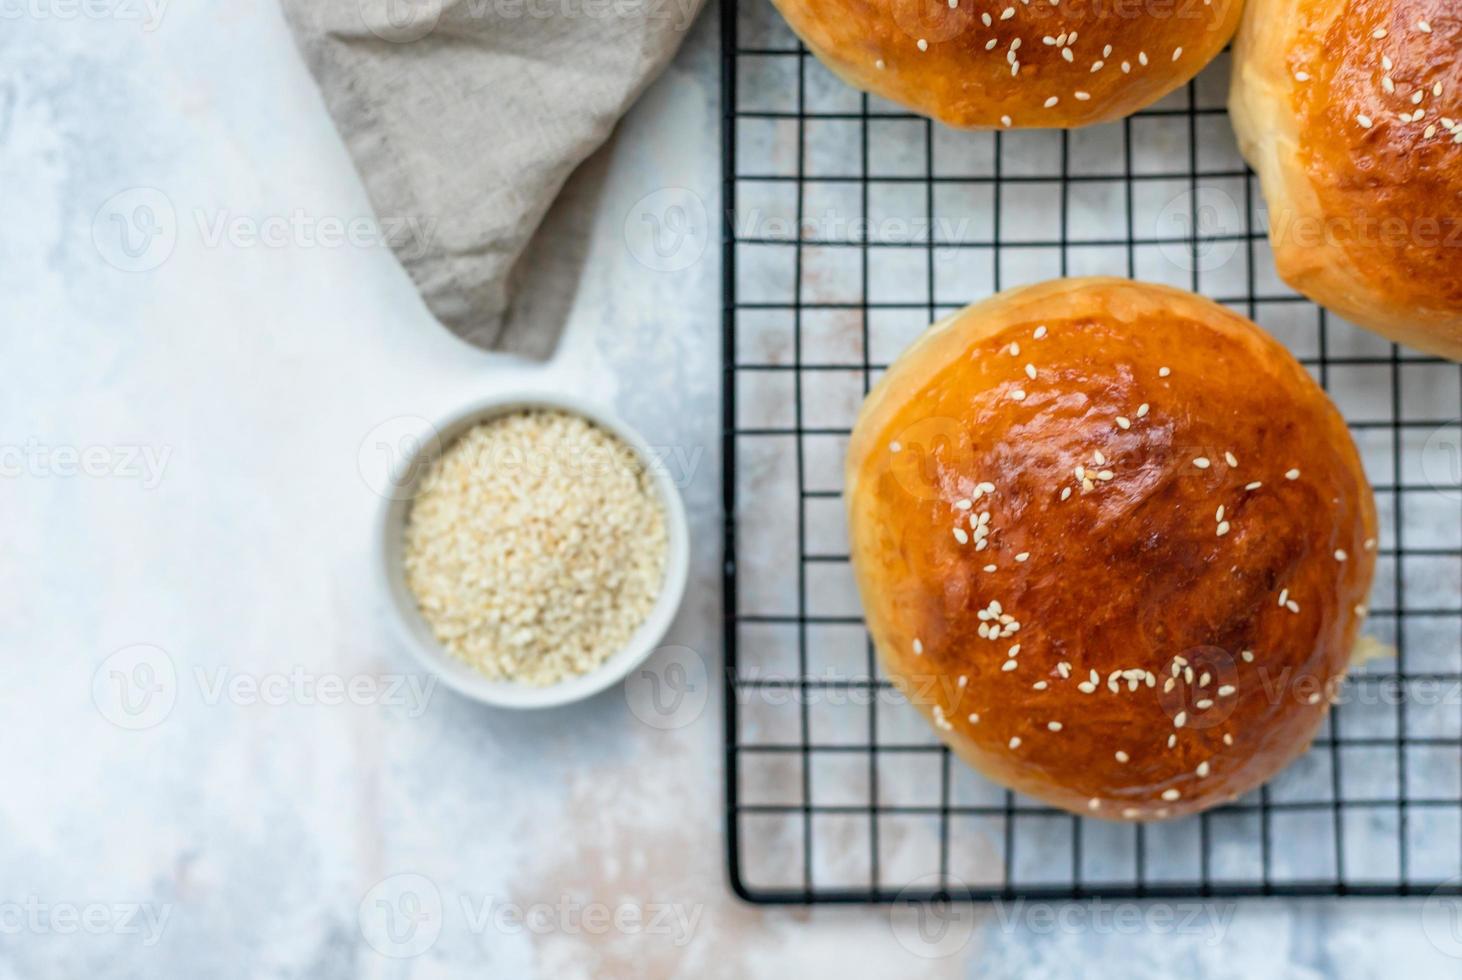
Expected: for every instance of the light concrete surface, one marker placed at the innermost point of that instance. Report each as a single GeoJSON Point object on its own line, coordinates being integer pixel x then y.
{"type": "Point", "coordinates": [217, 759]}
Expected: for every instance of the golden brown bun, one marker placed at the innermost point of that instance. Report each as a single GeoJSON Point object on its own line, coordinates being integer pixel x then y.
{"type": "Point", "coordinates": [1366, 220]}
{"type": "Point", "coordinates": [1129, 572]}
{"type": "Point", "coordinates": [1124, 54]}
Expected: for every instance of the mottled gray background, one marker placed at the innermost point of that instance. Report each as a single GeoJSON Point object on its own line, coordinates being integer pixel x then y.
{"type": "Point", "coordinates": [191, 419]}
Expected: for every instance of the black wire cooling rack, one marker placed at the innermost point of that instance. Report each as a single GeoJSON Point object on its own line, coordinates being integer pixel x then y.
{"type": "Point", "coordinates": [849, 226]}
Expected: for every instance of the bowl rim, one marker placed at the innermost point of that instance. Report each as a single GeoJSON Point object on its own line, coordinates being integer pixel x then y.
{"type": "Point", "coordinates": [410, 625]}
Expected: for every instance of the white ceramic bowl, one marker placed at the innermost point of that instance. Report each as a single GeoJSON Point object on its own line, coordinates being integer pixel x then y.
{"type": "Point", "coordinates": [413, 627]}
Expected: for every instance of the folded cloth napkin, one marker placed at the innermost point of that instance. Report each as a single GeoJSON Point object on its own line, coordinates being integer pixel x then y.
{"type": "Point", "coordinates": [465, 118]}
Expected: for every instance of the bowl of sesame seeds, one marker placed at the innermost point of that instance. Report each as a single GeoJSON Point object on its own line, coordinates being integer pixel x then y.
{"type": "Point", "coordinates": [532, 551]}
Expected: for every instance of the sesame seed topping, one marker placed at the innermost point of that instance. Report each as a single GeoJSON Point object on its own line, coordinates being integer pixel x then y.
{"type": "Point", "coordinates": [961, 536]}
{"type": "Point", "coordinates": [1313, 698]}
{"type": "Point", "coordinates": [1007, 13]}
{"type": "Point", "coordinates": [1283, 596]}
{"type": "Point", "coordinates": [1379, 33]}
{"type": "Point", "coordinates": [1123, 422]}
{"type": "Point", "coordinates": [1218, 515]}
{"type": "Point", "coordinates": [1231, 459]}
{"type": "Point", "coordinates": [1292, 475]}
{"type": "Point", "coordinates": [1093, 804]}
{"type": "Point", "coordinates": [1180, 719]}
{"type": "Point", "coordinates": [1142, 57]}
{"type": "Point", "coordinates": [1247, 655]}
{"type": "Point", "coordinates": [1253, 486]}
{"type": "Point", "coordinates": [974, 717]}
{"type": "Point", "coordinates": [1052, 101]}
{"type": "Point", "coordinates": [1065, 493]}
{"type": "Point", "coordinates": [964, 504]}
{"type": "Point", "coordinates": [989, 568]}
{"type": "Point", "coordinates": [1201, 462]}
{"type": "Point", "coordinates": [1018, 395]}
{"type": "Point", "coordinates": [1030, 371]}
{"type": "Point", "coordinates": [1172, 740]}
{"type": "Point", "coordinates": [1126, 67]}
{"type": "Point", "coordinates": [1122, 756]}
{"type": "Point", "coordinates": [1228, 739]}
{"type": "Point", "coordinates": [1226, 690]}
{"type": "Point", "coordinates": [1223, 528]}
{"type": "Point", "coordinates": [1364, 120]}
{"type": "Point", "coordinates": [1081, 96]}
{"type": "Point", "coordinates": [923, 44]}
{"type": "Point", "coordinates": [1302, 76]}
{"type": "Point", "coordinates": [1163, 372]}
{"type": "Point", "coordinates": [1015, 741]}
{"type": "Point", "coordinates": [1040, 332]}
{"type": "Point", "coordinates": [1340, 554]}
{"type": "Point", "coordinates": [894, 447]}
{"type": "Point", "coordinates": [918, 646]}
{"type": "Point", "coordinates": [1040, 685]}
{"type": "Point", "coordinates": [1142, 410]}
{"type": "Point", "coordinates": [1170, 794]}
{"type": "Point", "coordinates": [1006, 121]}
{"type": "Point", "coordinates": [1424, 27]}
{"type": "Point", "coordinates": [1022, 556]}
{"type": "Point", "coordinates": [1054, 726]}
{"type": "Point", "coordinates": [1202, 770]}
{"type": "Point", "coordinates": [1008, 666]}
{"type": "Point", "coordinates": [1370, 544]}
{"type": "Point", "coordinates": [1177, 53]}
{"type": "Point", "coordinates": [879, 64]}
{"type": "Point", "coordinates": [1292, 606]}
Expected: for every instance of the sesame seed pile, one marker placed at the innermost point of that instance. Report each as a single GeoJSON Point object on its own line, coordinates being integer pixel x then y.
{"type": "Point", "coordinates": [536, 546]}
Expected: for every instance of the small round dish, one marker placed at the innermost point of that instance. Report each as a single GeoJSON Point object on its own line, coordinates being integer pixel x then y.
{"type": "Point", "coordinates": [412, 626]}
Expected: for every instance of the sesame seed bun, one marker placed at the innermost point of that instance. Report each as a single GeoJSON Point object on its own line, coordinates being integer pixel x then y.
{"type": "Point", "coordinates": [1113, 542]}
{"type": "Point", "coordinates": [1022, 63]}
{"type": "Point", "coordinates": [1351, 113]}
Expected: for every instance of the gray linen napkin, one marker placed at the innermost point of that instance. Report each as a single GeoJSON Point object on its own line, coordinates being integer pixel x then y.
{"type": "Point", "coordinates": [465, 118]}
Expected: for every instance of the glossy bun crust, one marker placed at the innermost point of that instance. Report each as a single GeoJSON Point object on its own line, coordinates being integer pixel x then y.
{"type": "Point", "coordinates": [1117, 647]}
{"type": "Point", "coordinates": [982, 64]}
{"type": "Point", "coordinates": [1350, 111]}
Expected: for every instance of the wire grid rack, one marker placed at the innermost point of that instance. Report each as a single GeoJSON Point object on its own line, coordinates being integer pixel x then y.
{"type": "Point", "coordinates": [850, 226]}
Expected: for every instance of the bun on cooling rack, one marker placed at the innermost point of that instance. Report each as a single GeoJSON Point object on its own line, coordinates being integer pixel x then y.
{"type": "Point", "coordinates": [1113, 541]}
{"type": "Point", "coordinates": [1022, 63]}
{"type": "Point", "coordinates": [1351, 112]}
